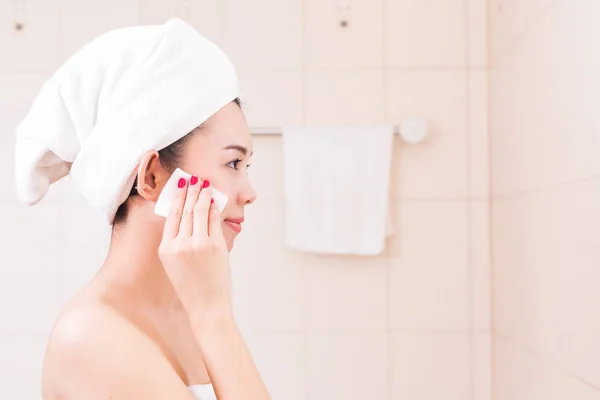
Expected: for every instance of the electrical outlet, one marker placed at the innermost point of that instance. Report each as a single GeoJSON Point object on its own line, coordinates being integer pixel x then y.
{"type": "Point", "coordinates": [18, 14]}
{"type": "Point", "coordinates": [344, 9]}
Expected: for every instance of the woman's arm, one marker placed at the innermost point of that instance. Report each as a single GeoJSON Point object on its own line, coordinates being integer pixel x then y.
{"type": "Point", "coordinates": [196, 260]}
{"type": "Point", "coordinates": [230, 366]}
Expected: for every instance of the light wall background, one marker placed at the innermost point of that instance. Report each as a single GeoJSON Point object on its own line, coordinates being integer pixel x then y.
{"type": "Point", "coordinates": [546, 198]}
{"type": "Point", "coordinates": [413, 323]}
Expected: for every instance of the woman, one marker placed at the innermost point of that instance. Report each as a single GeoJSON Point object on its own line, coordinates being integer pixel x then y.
{"type": "Point", "coordinates": [156, 321]}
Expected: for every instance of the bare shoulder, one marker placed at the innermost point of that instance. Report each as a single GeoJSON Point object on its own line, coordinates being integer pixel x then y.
{"type": "Point", "coordinates": [92, 328]}
{"type": "Point", "coordinates": [103, 354]}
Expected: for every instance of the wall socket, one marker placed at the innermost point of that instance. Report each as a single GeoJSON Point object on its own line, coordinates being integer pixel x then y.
{"type": "Point", "coordinates": [344, 9]}
{"type": "Point", "coordinates": [19, 13]}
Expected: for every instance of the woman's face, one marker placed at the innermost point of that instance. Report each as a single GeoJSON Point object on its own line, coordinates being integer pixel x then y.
{"type": "Point", "coordinates": [220, 152]}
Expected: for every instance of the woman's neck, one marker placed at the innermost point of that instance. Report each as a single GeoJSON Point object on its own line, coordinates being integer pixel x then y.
{"type": "Point", "coordinates": [133, 263]}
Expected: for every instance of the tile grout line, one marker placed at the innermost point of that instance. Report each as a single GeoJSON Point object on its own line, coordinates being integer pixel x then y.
{"type": "Point", "coordinates": [386, 100]}
{"type": "Point", "coordinates": [306, 277]}
{"type": "Point", "coordinates": [468, 203]}
{"type": "Point", "coordinates": [303, 68]}
{"type": "Point", "coordinates": [490, 227]}
{"type": "Point", "coordinates": [545, 188]}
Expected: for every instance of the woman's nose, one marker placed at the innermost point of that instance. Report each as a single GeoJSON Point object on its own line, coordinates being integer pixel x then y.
{"type": "Point", "coordinates": [248, 195]}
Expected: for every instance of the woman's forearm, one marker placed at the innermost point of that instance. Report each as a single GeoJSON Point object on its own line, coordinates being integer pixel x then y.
{"type": "Point", "coordinates": [232, 371]}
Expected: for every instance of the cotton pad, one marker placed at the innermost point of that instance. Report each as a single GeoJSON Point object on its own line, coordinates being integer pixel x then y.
{"type": "Point", "coordinates": [163, 204]}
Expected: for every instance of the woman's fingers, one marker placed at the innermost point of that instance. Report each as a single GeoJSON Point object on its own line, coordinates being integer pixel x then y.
{"type": "Point", "coordinates": [186, 228]}
{"type": "Point", "coordinates": [201, 211]}
{"type": "Point", "coordinates": [215, 229]}
{"type": "Point", "coordinates": [193, 212]}
{"type": "Point", "coordinates": [174, 218]}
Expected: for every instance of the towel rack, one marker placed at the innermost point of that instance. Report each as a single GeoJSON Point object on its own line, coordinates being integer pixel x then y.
{"type": "Point", "coordinates": [413, 130]}
{"type": "Point", "coordinates": [272, 130]}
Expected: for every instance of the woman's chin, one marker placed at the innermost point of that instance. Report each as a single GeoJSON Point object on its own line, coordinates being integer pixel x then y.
{"type": "Point", "coordinates": [230, 235]}
{"type": "Point", "coordinates": [229, 240]}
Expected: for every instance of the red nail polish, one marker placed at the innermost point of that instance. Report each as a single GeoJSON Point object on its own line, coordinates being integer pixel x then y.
{"type": "Point", "coordinates": [205, 184]}
{"type": "Point", "coordinates": [212, 201]}
{"type": "Point", "coordinates": [193, 180]}
{"type": "Point", "coordinates": [181, 182]}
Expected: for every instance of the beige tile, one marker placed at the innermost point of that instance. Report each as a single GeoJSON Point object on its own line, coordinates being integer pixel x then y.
{"type": "Point", "coordinates": [429, 273]}
{"type": "Point", "coordinates": [333, 285]}
{"type": "Point", "coordinates": [509, 20]}
{"type": "Point", "coordinates": [512, 21]}
{"type": "Point", "coordinates": [510, 251]}
{"type": "Point", "coordinates": [83, 21]}
{"type": "Point", "coordinates": [263, 33]}
{"type": "Point", "coordinates": [84, 241]}
{"type": "Point", "coordinates": [329, 45]}
{"type": "Point", "coordinates": [482, 366]}
{"type": "Point", "coordinates": [430, 366]}
{"type": "Point", "coordinates": [34, 47]}
{"type": "Point", "coordinates": [505, 147]}
{"type": "Point", "coordinates": [539, 8]}
{"type": "Point", "coordinates": [425, 33]}
{"type": "Point", "coordinates": [281, 360]}
{"type": "Point", "coordinates": [269, 281]}
{"type": "Point", "coordinates": [479, 160]}
{"type": "Point", "coordinates": [29, 280]}
{"type": "Point", "coordinates": [544, 129]}
{"type": "Point", "coordinates": [21, 365]}
{"type": "Point", "coordinates": [545, 277]}
{"type": "Point", "coordinates": [521, 375]}
{"type": "Point", "coordinates": [348, 97]}
{"type": "Point", "coordinates": [556, 101]}
{"type": "Point", "coordinates": [204, 15]}
{"type": "Point", "coordinates": [271, 98]}
{"type": "Point", "coordinates": [435, 168]}
{"type": "Point", "coordinates": [480, 274]}
{"type": "Point", "coordinates": [348, 365]}
{"type": "Point", "coordinates": [477, 32]}
{"type": "Point", "coordinates": [30, 298]}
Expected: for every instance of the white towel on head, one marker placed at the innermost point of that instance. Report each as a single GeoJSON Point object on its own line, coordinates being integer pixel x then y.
{"type": "Point", "coordinates": [336, 183]}
{"type": "Point", "coordinates": [128, 91]}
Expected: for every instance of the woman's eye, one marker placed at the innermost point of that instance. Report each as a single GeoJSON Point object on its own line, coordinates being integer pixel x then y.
{"type": "Point", "coordinates": [234, 163]}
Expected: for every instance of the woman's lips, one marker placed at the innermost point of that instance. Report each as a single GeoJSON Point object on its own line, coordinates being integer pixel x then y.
{"type": "Point", "coordinates": [235, 225]}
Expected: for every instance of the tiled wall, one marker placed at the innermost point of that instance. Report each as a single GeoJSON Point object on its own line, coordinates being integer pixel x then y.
{"type": "Point", "coordinates": [546, 198]}
{"type": "Point", "coordinates": [413, 323]}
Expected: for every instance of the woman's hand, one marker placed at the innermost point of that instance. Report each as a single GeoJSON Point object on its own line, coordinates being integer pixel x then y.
{"type": "Point", "coordinates": [194, 252]}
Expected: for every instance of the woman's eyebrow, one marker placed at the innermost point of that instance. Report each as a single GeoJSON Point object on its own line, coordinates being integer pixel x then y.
{"type": "Point", "coordinates": [237, 147]}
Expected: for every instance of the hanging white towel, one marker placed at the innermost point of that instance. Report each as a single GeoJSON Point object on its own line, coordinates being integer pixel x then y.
{"type": "Point", "coordinates": [336, 183]}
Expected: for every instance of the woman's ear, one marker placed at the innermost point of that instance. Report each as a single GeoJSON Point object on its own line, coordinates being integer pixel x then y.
{"type": "Point", "coordinates": [151, 176]}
